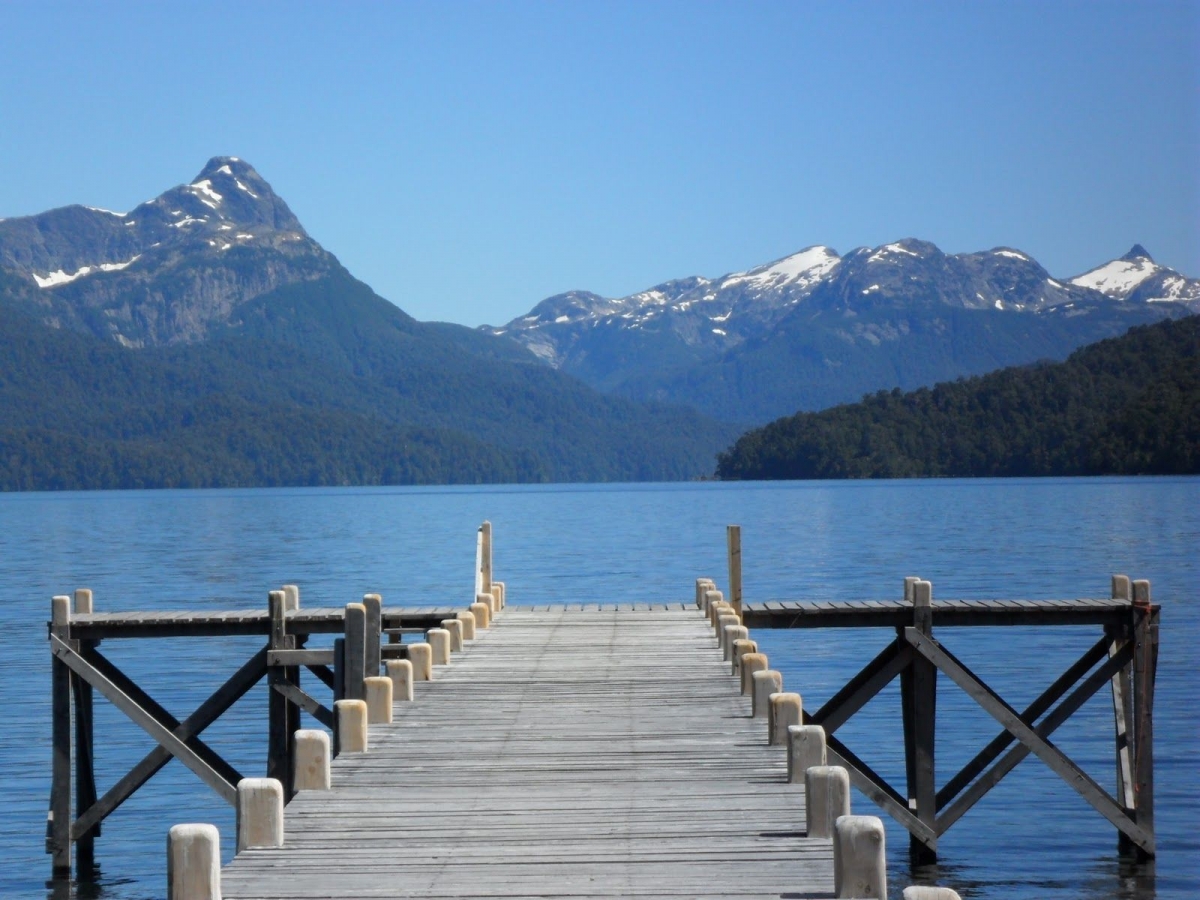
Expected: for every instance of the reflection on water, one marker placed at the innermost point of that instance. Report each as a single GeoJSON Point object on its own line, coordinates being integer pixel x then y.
{"type": "Point", "coordinates": [1031, 836]}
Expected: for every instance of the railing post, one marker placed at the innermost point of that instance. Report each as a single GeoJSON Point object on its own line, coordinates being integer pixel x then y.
{"type": "Point", "coordinates": [733, 541]}
{"type": "Point", "coordinates": [485, 559]}
{"type": "Point", "coordinates": [373, 604]}
{"type": "Point", "coordinates": [1145, 666]}
{"type": "Point", "coordinates": [356, 646]}
{"type": "Point", "coordinates": [920, 749]}
{"type": "Point", "coordinates": [58, 830]}
{"type": "Point", "coordinates": [85, 772]}
{"type": "Point", "coordinates": [283, 718]}
{"type": "Point", "coordinates": [1123, 706]}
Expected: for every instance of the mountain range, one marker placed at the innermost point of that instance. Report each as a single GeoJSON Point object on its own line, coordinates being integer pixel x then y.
{"type": "Point", "coordinates": [816, 329]}
{"type": "Point", "coordinates": [203, 338]}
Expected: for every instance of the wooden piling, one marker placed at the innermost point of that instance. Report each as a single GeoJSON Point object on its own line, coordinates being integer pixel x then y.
{"type": "Point", "coordinates": [421, 657]}
{"type": "Point", "coordinates": [785, 710]}
{"type": "Point", "coordinates": [373, 603]}
{"type": "Point", "coordinates": [826, 798]}
{"type": "Point", "coordinates": [922, 704]}
{"type": "Point", "coordinates": [377, 693]}
{"type": "Point", "coordinates": [1145, 665]}
{"type": "Point", "coordinates": [468, 625]}
{"type": "Point", "coordinates": [752, 663]}
{"type": "Point", "coordinates": [806, 749]}
{"type": "Point", "coordinates": [84, 752]}
{"type": "Point", "coordinates": [259, 813]}
{"type": "Point", "coordinates": [401, 673]}
{"type": "Point", "coordinates": [455, 628]}
{"type": "Point", "coordinates": [355, 653]}
{"type": "Point", "coordinates": [859, 858]}
{"type": "Point", "coordinates": [193, 863]}
{"type": "Point", "coordinates": [764, 684]}
{"type": "Point", "coordinates": [312, 757]}
{"type": "Point", "coordinates": [59, 822]}
{"type": "Point", "coordinates": [741, 646]}
{"type": "Point", "coordinates": [350, 735]}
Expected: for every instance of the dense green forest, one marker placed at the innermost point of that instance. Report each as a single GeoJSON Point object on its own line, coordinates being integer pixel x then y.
{"type": "Point", "coordinates": [1127, 405]}
{"type": "Point", "coordinates": [310, 392]}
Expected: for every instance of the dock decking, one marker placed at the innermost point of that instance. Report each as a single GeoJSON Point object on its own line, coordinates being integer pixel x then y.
{"type": "Point", "coordinates": [584, 752]}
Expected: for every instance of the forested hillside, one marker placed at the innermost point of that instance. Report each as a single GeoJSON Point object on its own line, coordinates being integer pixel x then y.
{"type": "Point", "coordinates": [1127, 405]}
{"type": "Point", "coordinates": [354, 404]}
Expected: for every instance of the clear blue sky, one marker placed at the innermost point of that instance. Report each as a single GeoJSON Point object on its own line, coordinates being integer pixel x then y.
{"type": "Point", "coordinates": [469, 159]}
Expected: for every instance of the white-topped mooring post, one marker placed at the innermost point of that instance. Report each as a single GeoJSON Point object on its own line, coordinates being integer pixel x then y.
{"type": "Point", "coordinates": [806, 749]}
{"type": "Point", "coordinates": [439, 645]}
{"type": "Point", "coordinates": [455, 627]}
{"type": "Point", "coordinates": [733, 634]}
{"type": "Point", "coordinates": [488, 600]}
{"type": "Point", "coordinates": [468, 625]}
{"type": "Point", "coordinates": [401, 673]}
{"type": "Point", "coordinates": [859, 858]}
{"type": "Point", "coordinates": [1122, 588]}
{"type": "Point", "coordinates": [483, 615]}
{"type": "Point", "coordinates": [703, 586]}
{"type": "Point", "coordinates": [193, 862]}
{"type": "Point", "coordinates": [351, 717]}
{"type": "Point", "coordinates": [751, 664]}
{"type": "Point", "coordinates": [500, 591]}
{"type": "Point", "coordinates": [378, 691]}
{"type": "Point", "coordinates": [83, 601]}
{"type": "Point", "coordinates": [786, 710]}
{"type": "Point", "coordinates": [930, 893]}
{"type": "Point", "coordinates": [764, 684]}
{"type": "Point", "coordinates": [710, 597]}
{"type": "Point", "coordinates": [421, 657]}
{"type": "Point", "coordinates": [741, 646]}
{"type": "Point", "coordinates": [259, 813]}
{"type": "Point", "coordinates": [291, 597]}
{"type": "Point", "coordinates": [311, 771]}
{"type": "Point", "coordinates": [827, 797]}
{"type": "Point", "coordinates": [725, 620]}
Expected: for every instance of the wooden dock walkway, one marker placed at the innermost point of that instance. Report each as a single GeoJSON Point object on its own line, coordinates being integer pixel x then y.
{"type": "Point", "coordinates": [584, 752]}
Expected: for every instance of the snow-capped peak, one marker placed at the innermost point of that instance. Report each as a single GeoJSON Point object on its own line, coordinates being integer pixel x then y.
{"type": "Point", "coordinates": [1119, 277]}
{"type": "Point", "coordinates": [802, 269]}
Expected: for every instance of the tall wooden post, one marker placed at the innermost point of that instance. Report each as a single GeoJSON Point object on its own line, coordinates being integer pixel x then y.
{"type": "Point", "coordinates": [485, 559]}
{"type": "Point", "coordinates": [58, 831]}
{"type": "Point", "coordinates": [907, 704]}
{"type": "Point", "coordinates": [85, 772]}
{"type": "Point", "coordinates": [282, 715]}
{"type": "Point", "coordinates": [355, 652]}
{"type": "Point", "coordinates": [374, 607]}
{"type": "Point", "coordinates": [924, 709]}
{"type": "Point", "coordinates": [1122, 699]}
{"type": "Point", "coordinates": [1145, 666]}
{"type": "Point", "coordinates": [733, 543]}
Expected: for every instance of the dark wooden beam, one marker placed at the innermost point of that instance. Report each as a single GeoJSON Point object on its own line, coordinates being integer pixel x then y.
{"type": "Point", "coordinates": [995, 706]}
{"type": "Point", "coordinates": [1004, 739]}
{"type": "Point", "coordinates": [143, 719]}
{"type": "Point", "coordinates": [1084, 692]}
{"type": "Point", "coordinates": [247, 675]}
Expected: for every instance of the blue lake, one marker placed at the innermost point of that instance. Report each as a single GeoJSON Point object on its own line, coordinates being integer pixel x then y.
{"type": "Point", "coordinates": [1031, 837]}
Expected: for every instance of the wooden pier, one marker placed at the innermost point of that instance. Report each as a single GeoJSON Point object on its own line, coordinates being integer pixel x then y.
{"type": "Point", "coordinates": [587, 750]}
{"type": "Point", "coordinates": [578, 751]}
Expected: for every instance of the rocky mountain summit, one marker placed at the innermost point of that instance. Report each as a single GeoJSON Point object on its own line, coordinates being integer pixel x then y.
{"type": "Point", "coordinates": [817, 328]}
{"type": "Point", "coordinates": [169, 270]}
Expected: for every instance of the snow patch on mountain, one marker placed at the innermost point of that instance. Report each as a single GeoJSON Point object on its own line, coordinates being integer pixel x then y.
{"type": "Point", "coordinates": [59, 277]}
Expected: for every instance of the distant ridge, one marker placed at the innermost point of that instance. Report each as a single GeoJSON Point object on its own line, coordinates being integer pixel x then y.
{"type": "Point", "coordinates": [1124, 406]}
{"type": "Point", "coordinates": [816, 328]}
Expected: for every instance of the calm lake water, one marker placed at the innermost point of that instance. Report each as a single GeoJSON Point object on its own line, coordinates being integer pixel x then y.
{"type": "Point", "coordinates": [1031, 837]}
